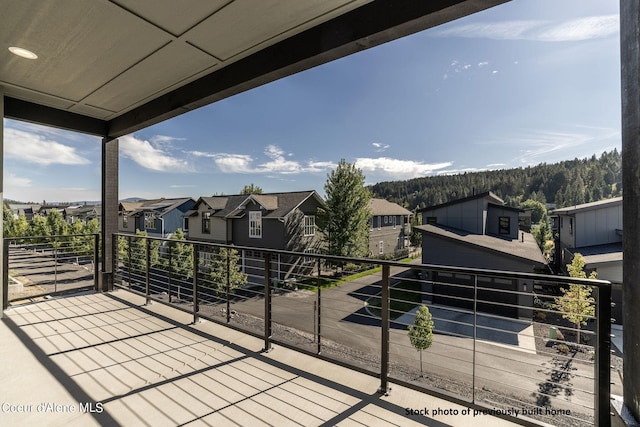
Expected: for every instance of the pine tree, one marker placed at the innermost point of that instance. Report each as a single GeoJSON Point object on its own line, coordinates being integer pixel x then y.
{"type": "Point", "coordinates": [345, 221]}
{"type": "Point", "coordinates": [421, 332]}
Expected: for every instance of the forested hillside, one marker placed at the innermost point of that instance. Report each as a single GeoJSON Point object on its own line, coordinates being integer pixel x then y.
{"type": "Point", "coordinates": [566, 183]}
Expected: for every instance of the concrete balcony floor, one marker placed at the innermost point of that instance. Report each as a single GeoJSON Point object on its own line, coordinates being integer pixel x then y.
{"type": "Point", "coordinates": [105, 359]}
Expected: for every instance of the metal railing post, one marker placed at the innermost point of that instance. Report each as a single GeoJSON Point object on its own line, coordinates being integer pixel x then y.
{"type": "Point", "coordinates": [475, 337]}
{"type": "Point", "coordinates": [5, 275]}
{"type": "Point", "coordinates": [129, 258]}
{"type": "Point", "coordinates": [603, 357]}
{"type": "Point", "coordinates": [196, 254]}
{"type": "Point", "coordinates": [170, 275]}
{"type": "Point", "coordinates": [147, 290]}
{"type": "Point", "coordinates": [267, 302]}
{"type": "Point", "coordinates": [55, 264]}
{"type": "Point", "coordinates": [319, 308]}
{"type": "Point", "coordinates": [384, 345]}
{"type": "Point", "coordinates": [228, 285]}
{"type": "Point", "coordinates": [96, 269]}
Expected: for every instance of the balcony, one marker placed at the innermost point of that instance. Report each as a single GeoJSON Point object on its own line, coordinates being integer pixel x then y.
{"type": "Point", "coordinates": [323, 341]}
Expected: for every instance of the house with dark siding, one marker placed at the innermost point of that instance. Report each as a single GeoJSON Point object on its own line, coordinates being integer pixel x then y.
{"type": "Point", "coordinates": [281, 221]}
{"type": "Point", "coordinates": [389, 228]}
{"type": "Point", "coordinates": [479, 231]}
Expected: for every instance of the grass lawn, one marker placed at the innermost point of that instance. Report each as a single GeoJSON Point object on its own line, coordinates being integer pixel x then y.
{"type": "Point", "coordinates": [311, 283]}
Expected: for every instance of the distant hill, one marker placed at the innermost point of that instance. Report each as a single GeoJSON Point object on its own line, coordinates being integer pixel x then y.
{"type": "Point", "coordinates": [566, 183]}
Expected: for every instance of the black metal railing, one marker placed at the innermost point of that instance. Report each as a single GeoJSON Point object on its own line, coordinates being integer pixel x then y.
{"type": "Point", "coordinates": [36, 266]}
{"type": "Point", "coordinates": [503, 343]}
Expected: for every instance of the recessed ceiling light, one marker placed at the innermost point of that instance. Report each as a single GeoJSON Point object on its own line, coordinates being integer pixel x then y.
{"type": "Point", "coordinates": [24, 53]}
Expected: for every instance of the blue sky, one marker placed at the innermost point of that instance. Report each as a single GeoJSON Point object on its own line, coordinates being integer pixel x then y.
{"type": "Point", "coordinates": [520, 84]}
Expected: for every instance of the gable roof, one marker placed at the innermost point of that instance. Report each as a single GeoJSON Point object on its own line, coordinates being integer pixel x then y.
{"type": "Point", "coordinates": [487, 194]}
{"type": "Point", "coordinates": [158, 206]}
{"type": "Point", "coordinates": [277, 205]}
{"type": "Point", "coordinates": [526, 250]}
{"type": "Point", "coordinates": [385, 207]}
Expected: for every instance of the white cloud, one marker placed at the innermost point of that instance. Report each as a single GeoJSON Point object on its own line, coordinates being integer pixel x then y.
{"type": "Point", "coordinates": [380, 147]}
{"type": "Point", "coordinates": [320, 166]}
{"type": "Point", "coordinates": [164, 142]}
{"type": "Point", "coordinates": [587, 28]}
{"type": "Point", "coordinates": [398, 169]}
{"type": "Point", "coordinates": [278, 163]}
{"type": "Point", "coordinates": [483, 64]}
{"type": "Point", "coordinates": [233, 163]}
{"type": "Point", "coordinates": [539, 144]}
{"type": "Point", "coordinates": [34, 148]}
{"type": "Point", "coordinates": [149, 156]}
{"type": "Point", "coordinates": [12, 180]}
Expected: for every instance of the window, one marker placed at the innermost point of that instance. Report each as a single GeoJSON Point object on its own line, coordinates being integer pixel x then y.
{"type": "Point", "coordinates": [381, 247]}
{"type": "Point", "coordinates": [571, 226]}
{"type": "Point", "coordinates": [394, 218]}
{"type": "Point", "coordinates": [149, 221]}
{"type": "Point", "coordinates": [125, 220]}
{"type": "Point", "coordinates": [309, 225]}
{"type": "Point", "coordinates": [185, 224]}
{"type": "Point", "coordinates": [504, 225]}
{"type": "Point", "coordinates": [386, 220]}
{"type": "Point", "coordinates": [255, 224]}
{"type": "Point", "coordinates": [206, 222]}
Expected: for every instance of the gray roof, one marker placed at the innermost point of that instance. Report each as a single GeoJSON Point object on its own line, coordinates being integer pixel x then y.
{"type": "Point", "coordinates": [277, 205]}
{"type": "Point", "coordinates": [527, 249]}
{"type": "Point", "coordinates": [487, 194]}
{"type": "Point", "coordinates": [588, 206]}
{"type": "Point", "coordinates": [385, 207]}
{"type": "Point", "coordinates": [598, 254]}
{"type": "Point", "coordinates": [158, 206]}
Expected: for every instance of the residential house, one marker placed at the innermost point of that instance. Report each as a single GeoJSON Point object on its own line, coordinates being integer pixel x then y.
{"type": "Point", "coordinates": [284, 221]}
{"type": "Point", "coordinates": [595, 231]}
{"type": "Point", "coordinates": [82, 213]}
{"type": "Point", "coordinates": [390, 228]}
{"type": "Point", "coordinates": [480, 232]}
{"type": "Point", "coordinates": [29, 211]}
{"type": "Point", "coordinates": [158, 217]}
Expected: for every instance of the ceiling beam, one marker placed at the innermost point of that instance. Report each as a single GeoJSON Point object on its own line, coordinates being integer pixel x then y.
{"type": "Point", "coordinates": [368, 26]}
{"type": "Point", "coordinates": [35, 113]}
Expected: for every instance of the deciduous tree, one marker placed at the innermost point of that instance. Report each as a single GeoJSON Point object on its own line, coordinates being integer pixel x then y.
{"type": "Point", "coordinates": [576, 303]}
{"type": "Point", "coordinates": [421, 332]}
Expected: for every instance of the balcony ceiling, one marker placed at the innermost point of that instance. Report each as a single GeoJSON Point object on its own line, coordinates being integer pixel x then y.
{"type": "Point", "coordinates": [113, 67]}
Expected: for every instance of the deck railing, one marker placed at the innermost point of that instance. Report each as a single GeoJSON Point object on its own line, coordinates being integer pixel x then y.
{"type": "Point", "coordinates": [501, 345]}
{"type": "Point", "coordinates": [37, 266]}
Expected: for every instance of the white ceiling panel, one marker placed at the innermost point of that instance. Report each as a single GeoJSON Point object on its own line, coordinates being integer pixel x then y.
{"type": "Point", "coordinates": [160, 72]}
{"type": "Point", "coordinates": [81, 45]}
{"type": "Point", "coordinates": [245, 24]}
{"type": "Point", "coordinates": [174, 16]}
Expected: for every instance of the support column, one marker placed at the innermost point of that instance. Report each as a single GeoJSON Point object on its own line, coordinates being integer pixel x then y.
{"type": "Point", "coordinates": [2, 254]}
{"type": "Point", "coordinates": [630, 68]}
{"type": "Point", "coordinates": [109, 224]}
